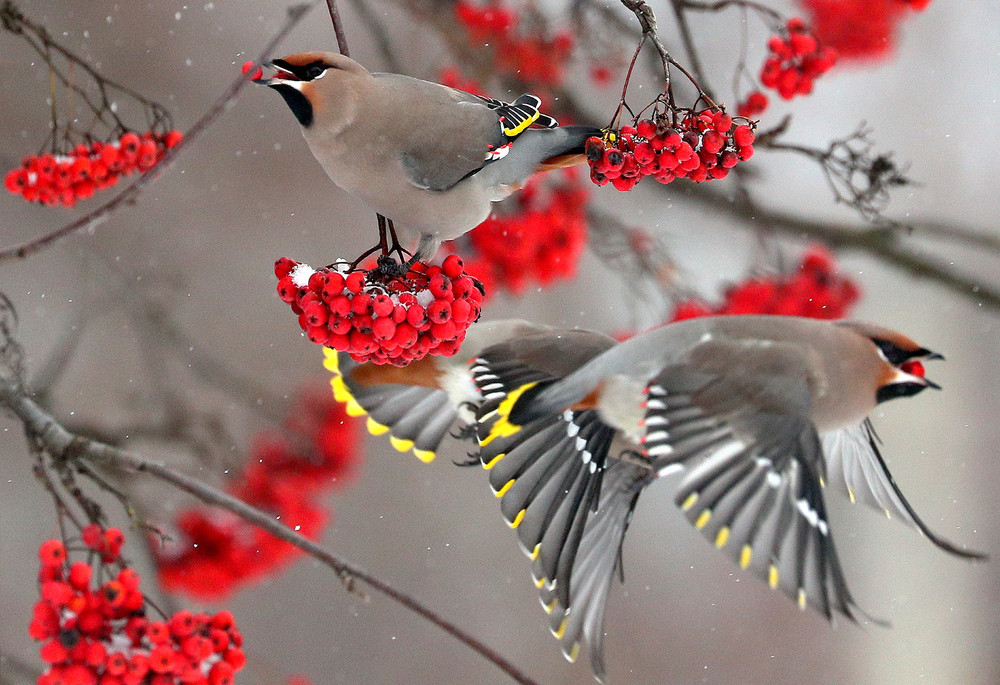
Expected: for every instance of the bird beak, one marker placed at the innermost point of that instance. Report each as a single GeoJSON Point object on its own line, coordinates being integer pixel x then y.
{"type": "Point", "coordinates": [280, 75]}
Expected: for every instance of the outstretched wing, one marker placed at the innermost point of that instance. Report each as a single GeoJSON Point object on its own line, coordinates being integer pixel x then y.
{"type": "Point", "coordinates": [753, 488]}
{"type": "Point", "coordinates": [855, 466]}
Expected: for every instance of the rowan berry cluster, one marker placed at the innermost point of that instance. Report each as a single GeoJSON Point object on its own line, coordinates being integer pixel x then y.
{"type": "Point", "coordinates": [816, 289]}
{"type": "Point", "coordinates": [215, 553]}
{"type": "Point", "coordinates": [859, 29]}
{"type": "Point", "coordinates": [796, 60]}
{"type": "Point", "coordinates": [540, 241]}
{"type": "Point", "coordinates": [700, 146]}
{"type": "Point", "coordinates": [383, 320]}
{"type": "Point", "coordinates": [95, 630]}
{"type": "Point", "coordinates": [64, 179]}
{"type": "Point", "coordinates": [532, 56]}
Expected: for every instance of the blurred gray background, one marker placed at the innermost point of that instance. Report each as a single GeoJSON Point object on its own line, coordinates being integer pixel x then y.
{"type": "Point", "coordinates": [202, 241]}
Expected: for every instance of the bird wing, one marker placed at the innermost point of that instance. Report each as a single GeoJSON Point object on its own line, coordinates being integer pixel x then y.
{"type": "Point", "coordinates": [445, 135]}
{"type": "Point", "coordinates": [416, 418]}
{"type": "Point", "coordinates": [569, 502]}
{"type": "Point", "coordinates": [855, 466]}
{"type": "Point", "coordinates": [737, 414]}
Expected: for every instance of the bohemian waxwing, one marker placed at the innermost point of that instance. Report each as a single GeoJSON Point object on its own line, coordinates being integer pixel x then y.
{"type": "Point", "coordinates": [430, 158]}
{"type": "Point", "coordinates": [758, 414]}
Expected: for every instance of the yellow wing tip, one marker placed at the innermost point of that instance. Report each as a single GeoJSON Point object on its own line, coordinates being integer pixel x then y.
{"type": "Point", "coordinates": [561, 630]}
{"type": "Point", "coordinates": [772, 576]}
{"type": "Point", "coordinates": [802, 599]}
{"type": "Point", "coordinates": [722, 537]}
{"type": "Point", "coordinates": [375, 428]}
{"type": "Point", "coordinates": [426, 456]}
{"type": "Point", "coordinates": [573, 653]}
{"type": "Point", "coordinates": [535, 552]}
{"type": "Point", "coordinates": [746, 554]}
{"type": "Point", "coordinates": [703, 519]}
{"type": "Point", "coordinates": [399, 444]}
{"type": "Point", "coordinates": [517, 519]}
{"type": "Point", "coordinates": [690, 501]}
{"type": "Point", "coordinates": [507, 486]}
{"type": "Point", "coordinates": [331, 362]}
{"type": "Point", "coordinates": [493, 462]}
{"type": "Point", "coordinates": [539, 582]}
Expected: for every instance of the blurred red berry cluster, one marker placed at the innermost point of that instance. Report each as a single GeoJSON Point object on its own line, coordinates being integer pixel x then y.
{"type": "Point", "coordinates": [95, 628]}
{"type": "Point", "coordinates": [701, 146]}
{"type": "Point", "coordinates": [753, 105]}
{"type": "Point", "coordinates": [815, 289]}
{"type": "Point", "coordinates": [796, 60]}
{"type": "Point", "coordinates": [859, 29]}
{"type": "Point", "coordinates": [538, 240]}
{"type": "Point", "coordinates": [534, 57]}
{"type": "Point", "coordinates": [383, 320]}
{"type": "Point", "coordinates": [216, 552]}
{"type": "Point", "coordinates": [63, 179]}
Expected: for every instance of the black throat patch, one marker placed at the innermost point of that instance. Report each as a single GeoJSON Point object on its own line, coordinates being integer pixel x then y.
{"type": "Point", "coordinates": [297, 102]}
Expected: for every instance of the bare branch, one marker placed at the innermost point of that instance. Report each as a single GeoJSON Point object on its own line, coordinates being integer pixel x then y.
{"type": "Point", "coordinates": [338, 27]}
{"type": "Point", "coordinates": [58, 441]}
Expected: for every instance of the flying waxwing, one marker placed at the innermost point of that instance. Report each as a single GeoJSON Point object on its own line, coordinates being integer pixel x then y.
{"type": "Point", "coordinates": [429, 158]}
{"type": "Point", "coordinates": [758, 413]}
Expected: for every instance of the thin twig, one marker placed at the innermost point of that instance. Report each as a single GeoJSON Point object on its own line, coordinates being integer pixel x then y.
{"type": "Point", "coordinates": [56, 440]}
{"type": "Point", "coordinates": [99, 216]}
{"type": "Point", "coordinates": [338, 27]}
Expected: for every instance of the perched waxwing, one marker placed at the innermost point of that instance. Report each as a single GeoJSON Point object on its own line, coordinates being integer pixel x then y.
{"type": "Point", "coordinates": [429, 158]}
{"type": "Point", "coordinates": [759, 415]}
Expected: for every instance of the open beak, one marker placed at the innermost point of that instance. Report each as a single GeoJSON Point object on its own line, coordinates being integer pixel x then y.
{"type": "Point", "coordinates": [280, 74]}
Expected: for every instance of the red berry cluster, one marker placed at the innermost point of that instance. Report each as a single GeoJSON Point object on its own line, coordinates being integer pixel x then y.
{"type": "Point", "coordinates": [540, 241]}
{"type": "Point", "coordinates": [859, 29]}
{"type": "Point", "coordinates": [64, 179]}
{"type": "Point", "coordinates": [384, 321]}
{"type": "Point", "coordinates": [753, 105]}
{"type": "Point", "coordinates": [214, 553]}
{"type": "Point", "coordinates": [816, 289]}
{"type": "Point", "coordinates": [796, 60]}
{"type": "Point", "coordinates": [95, 631]}
{"type": "Point", "coordinates": [534, 57]}
{"type": "Point", "coordinates": [701, 146]}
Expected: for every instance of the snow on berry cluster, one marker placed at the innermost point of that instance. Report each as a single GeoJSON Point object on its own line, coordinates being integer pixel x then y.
{"type": "Point", "coordinates": [535, 236]}
{"type": "Point", "coordinates": [64, 179]}
{"type": "Point", "coordinates": [532, 56]}
{"type": "Point", "coordinates": [214, 553]}
{"type": "Point", "coordinates": [383, 320]}
{"type": "Point", "coordinates": [796, 60]}
{"type": "Point", "coordinates": [95, 627]}
{"type": "Point", "coordinates": [859, 29]}
{"type": "Point", "coordinates": [701, 146]}
{"type": "Point", "coordinates": [816, 290]}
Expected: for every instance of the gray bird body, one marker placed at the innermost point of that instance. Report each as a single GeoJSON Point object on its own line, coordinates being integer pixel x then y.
{"type": "Point", "coordinates": [758, 414]}
{"type": "Point", "coordinates": [416, 152]}
{"type": "Point", "coordinates": [819, 370]}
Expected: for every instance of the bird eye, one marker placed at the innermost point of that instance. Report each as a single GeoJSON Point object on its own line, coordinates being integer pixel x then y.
{"type": "Point", "coordinates": [314, 71]}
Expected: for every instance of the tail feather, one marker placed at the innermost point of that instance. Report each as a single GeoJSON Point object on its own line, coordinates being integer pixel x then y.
{"type": "Point", "coordinates": [416, 418]}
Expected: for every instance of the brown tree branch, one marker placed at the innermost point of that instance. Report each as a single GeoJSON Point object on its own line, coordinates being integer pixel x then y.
{"type": "Point", "coordinates": [49, 434]}
{"type": "Point", "coordinates": [99, 216]}
{"type": "Point", "coordinates": [338, 27]}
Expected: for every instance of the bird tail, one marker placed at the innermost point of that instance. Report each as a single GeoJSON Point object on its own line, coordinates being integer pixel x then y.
{"type": "Point", "coordinates": [569, 503]}
{"type": "Point", "coordinates": [416, 418]}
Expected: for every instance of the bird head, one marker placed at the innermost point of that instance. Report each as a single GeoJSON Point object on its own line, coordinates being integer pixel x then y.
{"type": "Point", "coordinates": [902, 362]}
{"type": "Point", "coordinates": [315, 85]}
